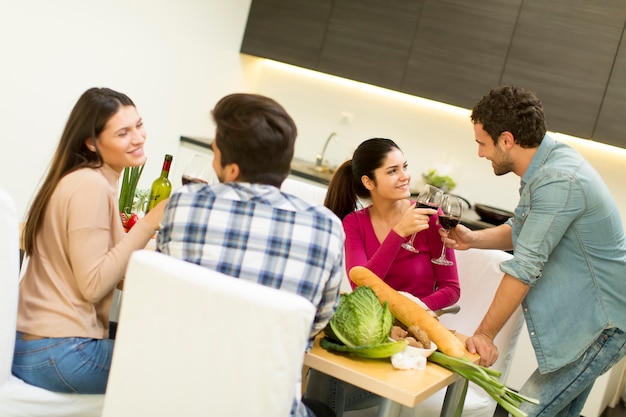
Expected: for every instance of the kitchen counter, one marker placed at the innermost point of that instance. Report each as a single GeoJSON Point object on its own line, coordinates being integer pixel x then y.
{"type": "Point", "coordinates": [472, 220]}
{"type": "Point", "coordinates": [299, 167]}
{"type": "Point", "coordinates": [307, 170]}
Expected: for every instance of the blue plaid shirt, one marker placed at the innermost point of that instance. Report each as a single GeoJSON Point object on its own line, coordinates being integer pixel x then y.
{"type": "Point", "coordinates": [258, 233]}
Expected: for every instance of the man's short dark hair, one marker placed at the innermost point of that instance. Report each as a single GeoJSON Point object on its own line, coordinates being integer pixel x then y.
{"type": "Point", "coordinates": [256, 133]}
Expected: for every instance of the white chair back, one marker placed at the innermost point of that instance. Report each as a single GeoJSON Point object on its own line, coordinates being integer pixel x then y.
{"type": "Point", "coordinates": [312, 193]}
{"type": "Point", "coordinates": [9, 268]}
{"type": "Point", "coordinates": [194, 342]}
{"type": "Point", "coordinates": [18, 399]}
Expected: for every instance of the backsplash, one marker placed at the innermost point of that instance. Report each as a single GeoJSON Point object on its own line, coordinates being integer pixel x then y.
{"type": "Point", "coordinates": [431, 134]}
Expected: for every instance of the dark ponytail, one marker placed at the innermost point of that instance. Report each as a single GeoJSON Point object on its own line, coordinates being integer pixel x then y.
{"type": "Point", "coordinates": [341, 197]}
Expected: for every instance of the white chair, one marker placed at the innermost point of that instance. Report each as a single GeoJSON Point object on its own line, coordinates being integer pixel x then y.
{"type": "Point", "coordinates": [479, 276]}
{"type": "Point", "coordinates": [194, 342]}
{"type": "Point", "coordinates": [18, 399]}
{"type": "Point", "coordinates": [312, 193]}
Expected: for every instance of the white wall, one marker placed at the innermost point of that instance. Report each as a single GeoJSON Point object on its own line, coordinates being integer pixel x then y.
{"type": "Point", "coordinates": [175, 59]}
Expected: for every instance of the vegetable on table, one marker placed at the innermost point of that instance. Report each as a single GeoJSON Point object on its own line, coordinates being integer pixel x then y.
{"type": "Point", "coordinates": [361, 326]}
{"type": "Point", "coordinates": [486, 378]}
{"type": "Point", "coordinates": [409, 313]}
{"type": "Point", "coordinates": [452, 354]}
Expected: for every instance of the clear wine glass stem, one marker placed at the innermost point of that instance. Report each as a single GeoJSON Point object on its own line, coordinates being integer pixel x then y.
{"type": "Point", "coordinates": [409, 244]}
{"type": "Point", "coordinates": [443, 248]}
{"type": "Point", "coordinates": [442, 260]}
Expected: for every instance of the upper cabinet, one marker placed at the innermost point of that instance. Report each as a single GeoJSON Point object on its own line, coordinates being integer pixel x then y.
{"type": "Point", "coordinates": [370, 40]}
{"type": "Point", "coordinates": [454, 51]}
{"type": "Point", "coordinates": [564, 50]}
{"type": "Point", "coordinates": [459, 49]}
{"type": "Point", "coordinates": [611, 126]}
{"type": "Point", "coordinates": [290, 31]}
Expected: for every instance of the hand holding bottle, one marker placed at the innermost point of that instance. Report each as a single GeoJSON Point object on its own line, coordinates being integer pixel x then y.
{"type": "Point", "coordinates": [154, 216]}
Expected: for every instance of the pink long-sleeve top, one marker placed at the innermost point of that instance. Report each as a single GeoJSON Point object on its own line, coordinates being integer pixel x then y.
{"type": "Point", "coordinates": [437, 286]}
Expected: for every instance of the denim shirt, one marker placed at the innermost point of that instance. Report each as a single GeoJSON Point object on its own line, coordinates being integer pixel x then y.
{"type": "Point", "coordinates": [569, 246]}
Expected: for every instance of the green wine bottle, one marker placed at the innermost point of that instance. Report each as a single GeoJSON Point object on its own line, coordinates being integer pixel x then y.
{"type": "Point", "coordinates": [161, 187]}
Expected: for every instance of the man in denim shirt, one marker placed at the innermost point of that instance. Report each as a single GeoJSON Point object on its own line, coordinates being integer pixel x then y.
{"type": "Point", "coordinates": [569, 269]}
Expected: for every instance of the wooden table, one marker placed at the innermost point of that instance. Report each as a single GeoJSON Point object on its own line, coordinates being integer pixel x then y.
{"type": "Point", "coordinates": [396, 387]}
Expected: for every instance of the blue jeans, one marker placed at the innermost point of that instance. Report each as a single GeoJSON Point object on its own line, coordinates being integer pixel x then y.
{"type": "Point", "coordinates": [563, 393]}
{"type": "Point", "coordinates": [69, 364]}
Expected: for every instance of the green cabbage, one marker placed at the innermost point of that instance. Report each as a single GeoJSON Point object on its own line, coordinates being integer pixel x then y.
{"type": "Point", "coordinates": [361, 326]}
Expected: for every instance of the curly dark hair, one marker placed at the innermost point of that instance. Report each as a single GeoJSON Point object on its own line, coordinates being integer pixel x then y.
{"type": "Point", "coordinates": [511, 109]}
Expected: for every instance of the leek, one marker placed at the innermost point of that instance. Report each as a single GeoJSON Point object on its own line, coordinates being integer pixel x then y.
{"type": "Point", "coordinates": [129, 185]}
{"type": "Point", "coordinates": [487, 379]}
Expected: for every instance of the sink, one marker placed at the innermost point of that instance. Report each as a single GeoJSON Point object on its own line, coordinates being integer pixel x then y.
{"type": "Point", "coordinates": [307, 169]}
{"type": "Point", "coordinates": [322, 170]}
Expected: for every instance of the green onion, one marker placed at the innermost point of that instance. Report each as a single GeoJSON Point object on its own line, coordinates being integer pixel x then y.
{"type": "Point", "coordinates": [129, 185]}
{"type": "Point", "coordinates": [487, 379]}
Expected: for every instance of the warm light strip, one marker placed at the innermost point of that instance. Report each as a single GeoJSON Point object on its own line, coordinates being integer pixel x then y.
{"type": "Point", "coordinates": [590, 143]}
{"type": "Point", "coordinates": [368, 88]}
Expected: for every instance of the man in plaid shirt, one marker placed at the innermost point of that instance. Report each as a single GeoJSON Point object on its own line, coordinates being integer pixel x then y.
{"type": "Point", "coordinates": [245, 226]}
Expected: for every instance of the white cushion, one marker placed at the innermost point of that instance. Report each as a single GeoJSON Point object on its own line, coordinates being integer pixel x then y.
{"type": "Point", "coordinates": [194, 342]}
{"type": "Point", "coordinates": [18, 399]}
{"type": "Point", "coordinates": [314, 194]}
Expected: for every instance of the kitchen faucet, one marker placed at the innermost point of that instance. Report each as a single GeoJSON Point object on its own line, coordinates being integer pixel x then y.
{"type": "Point", "coordinates": [320, 156]}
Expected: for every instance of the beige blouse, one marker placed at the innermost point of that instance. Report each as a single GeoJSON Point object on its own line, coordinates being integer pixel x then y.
{"type": "Point", "coordinates": [80, 255]}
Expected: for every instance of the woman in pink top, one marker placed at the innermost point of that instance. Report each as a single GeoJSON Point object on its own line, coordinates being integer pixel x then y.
{"type": "Point", "coordinates": [378, 172]}
{"type": "Point", "coordinates": [77, 249]}
{"type": "Point", "coordinates": [374, 234]}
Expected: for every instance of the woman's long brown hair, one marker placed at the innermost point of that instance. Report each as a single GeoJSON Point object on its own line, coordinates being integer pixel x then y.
{"type": "Point", "coordinates": [87, 120]}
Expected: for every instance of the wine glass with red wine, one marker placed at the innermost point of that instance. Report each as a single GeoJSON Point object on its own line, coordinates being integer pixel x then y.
{"type": "Point", "coordinates": [429, 197]}
{"type": "Point", "coordinates": [452, 208]}
{"type": "Point", "coordinates": [199, 170]}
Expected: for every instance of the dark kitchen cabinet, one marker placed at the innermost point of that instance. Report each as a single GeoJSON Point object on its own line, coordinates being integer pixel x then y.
{"type": "Point", "coordinates": [564, 50]}
{"type": "Point", "coordinates": [370, 40]}
{"type": "Point", "coordinates": [454, 51]}
{"type": "Point", "coordinates": [611, 125]}
{"type": "Point", "coordinates": [290, 31]}
{"type": "Point", "coordinates": [459, 49]}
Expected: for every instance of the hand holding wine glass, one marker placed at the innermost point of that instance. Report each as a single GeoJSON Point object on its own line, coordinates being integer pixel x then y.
{"type": "Point", "coordinates": [429, 197]}
{"type": "Point", "coordinates": [452, 208]}
{"type": "Point", "coordinates": [199, 170]}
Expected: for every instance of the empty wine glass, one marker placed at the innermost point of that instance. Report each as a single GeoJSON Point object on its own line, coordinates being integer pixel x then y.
{"type": "Point", "coordinates": [199, 170]}
{"type": "Point", "coordinates": [429, 197]}
{"type": "Point", "coordinates": [452, 208]}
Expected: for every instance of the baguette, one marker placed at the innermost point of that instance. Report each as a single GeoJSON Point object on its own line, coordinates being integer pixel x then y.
{"type": "Point", "coordinates": [409, 313]}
